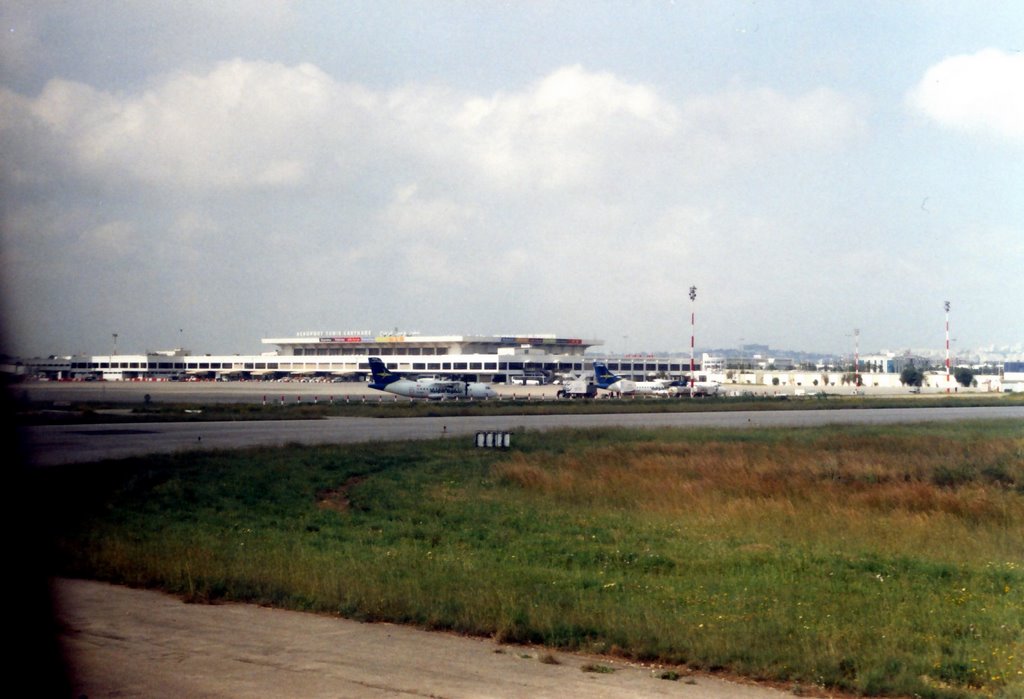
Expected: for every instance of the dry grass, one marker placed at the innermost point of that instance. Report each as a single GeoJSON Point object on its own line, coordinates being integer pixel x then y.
{"type": "Point", "coordinates": [933, 476]}
{"type": "Point", "coordinates": [848, 487]}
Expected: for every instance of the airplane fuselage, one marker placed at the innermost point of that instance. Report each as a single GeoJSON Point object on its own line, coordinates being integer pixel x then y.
{"type": "Point", "coordinates": [438, 390]}
{"type": "Point", "coordinates": [433, 389]}
{"type": "Point", "coordinates": [627, 387]}
{"type": "Point", "coordinates": [610, 382]}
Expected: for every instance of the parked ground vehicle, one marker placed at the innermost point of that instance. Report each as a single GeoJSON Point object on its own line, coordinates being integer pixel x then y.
{"type": "Point", "coordinates": [530, 377]}
{"type": "Point", "coordinates": [577, 388]}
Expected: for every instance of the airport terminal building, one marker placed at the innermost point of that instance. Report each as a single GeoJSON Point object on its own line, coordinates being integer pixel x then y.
{"type": "Point", "coordinates": [345, 356]}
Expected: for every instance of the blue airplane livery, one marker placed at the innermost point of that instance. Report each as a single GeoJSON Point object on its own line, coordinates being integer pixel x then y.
{"type": "Point", "coordinates": [384, 379]}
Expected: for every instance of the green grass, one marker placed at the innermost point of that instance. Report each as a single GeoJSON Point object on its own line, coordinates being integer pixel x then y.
{"type": "Point", "coordinates": [876, 560]}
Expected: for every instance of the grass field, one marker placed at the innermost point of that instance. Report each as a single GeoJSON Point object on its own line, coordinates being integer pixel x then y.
{"type": "Point", "coordinates": [875, 560]}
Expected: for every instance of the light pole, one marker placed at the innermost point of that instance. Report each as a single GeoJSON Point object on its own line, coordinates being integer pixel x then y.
{"type": "Point", "coordinates": [856, 358]}
{"type": "Point", "coordinates": [947, 346]}
{"type": "Point", "coordinates": [693, 317]}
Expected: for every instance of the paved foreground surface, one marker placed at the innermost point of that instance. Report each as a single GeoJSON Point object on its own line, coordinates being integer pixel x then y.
{"type": "Point", "coordinates": [122, 642]}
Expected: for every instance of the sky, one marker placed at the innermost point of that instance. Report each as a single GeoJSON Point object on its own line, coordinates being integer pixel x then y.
{"type": "Point", "coordinates": [207, 174]}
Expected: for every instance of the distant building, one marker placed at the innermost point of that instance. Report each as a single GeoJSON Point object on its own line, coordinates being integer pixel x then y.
{"type": "Point", "coordinates": [1012, 377]}
{"type": "Point", "coordinates": [345, 356]}
{"type": "Point", "coordinates": [890, 363]}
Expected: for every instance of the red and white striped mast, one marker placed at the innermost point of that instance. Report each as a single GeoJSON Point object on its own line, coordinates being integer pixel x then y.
{"type": "Point", "coordinates": [947, 346]}
{"type": "Point", "coordinates": [693, 317]}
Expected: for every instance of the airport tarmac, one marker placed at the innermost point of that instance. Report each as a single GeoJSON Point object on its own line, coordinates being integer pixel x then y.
{"type": "Point", "coordinates": [55, 444]}
{"type": "Point", "coordinates": [48, 445]}
{"type": "Point", "coordinates": [315, 391]}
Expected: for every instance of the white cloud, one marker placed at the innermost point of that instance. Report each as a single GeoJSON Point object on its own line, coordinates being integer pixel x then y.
{"type": "Point", "coordinates": [565, 130]}
{"type": "Point", "coordinates": [740, 126]}
{"type": "Point", "coordinates": [474, 207]}
{"type": "Point", "coordinates": [257, 125]}
{"type": "Point", "coordinates": [980, 93]}
{"type": "Point", "coordinates": [114, 239]}
{"type": "Point", "coordinates": [242, 125]}
{"type": "Point", "coordinates": [411, 215]}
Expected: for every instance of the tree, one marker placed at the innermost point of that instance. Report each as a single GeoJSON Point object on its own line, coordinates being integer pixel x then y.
{"type": "Point", "coordinates": [964, 376]}
{"type": "Point", "coordinates": [912, 376]}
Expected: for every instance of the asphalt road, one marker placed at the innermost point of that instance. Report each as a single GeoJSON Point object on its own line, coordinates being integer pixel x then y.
{"type": "Point", "coordinates": [57, 444]}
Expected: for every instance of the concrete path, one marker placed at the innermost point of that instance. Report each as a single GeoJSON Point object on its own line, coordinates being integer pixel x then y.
{"type": "Point", "coordinates": [135, 643]}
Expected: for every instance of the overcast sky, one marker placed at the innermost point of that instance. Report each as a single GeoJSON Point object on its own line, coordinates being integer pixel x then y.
{"type": "Point", "coordinates": [208, 174]}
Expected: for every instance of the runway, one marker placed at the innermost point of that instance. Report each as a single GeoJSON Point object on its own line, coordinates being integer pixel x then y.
{"type": "Point", "coordinates": [59, 444]}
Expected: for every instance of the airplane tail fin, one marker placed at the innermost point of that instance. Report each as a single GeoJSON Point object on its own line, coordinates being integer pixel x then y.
{"type": "Point", "coordinates": [381, 375]}
{"type": "Point", "coordinates": [603, 377]}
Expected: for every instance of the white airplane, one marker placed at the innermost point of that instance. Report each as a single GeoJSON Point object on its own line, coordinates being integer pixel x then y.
{"type": "Point", "coordinates": [605, 379]}
{"type": "Point", "coordinates": [700, 388]}
{"type": "Point", "coordinates": [386, 380]}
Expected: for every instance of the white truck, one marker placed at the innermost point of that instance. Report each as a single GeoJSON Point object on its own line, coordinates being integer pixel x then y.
{"type": "Point", "coordinates": [578, 388]}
